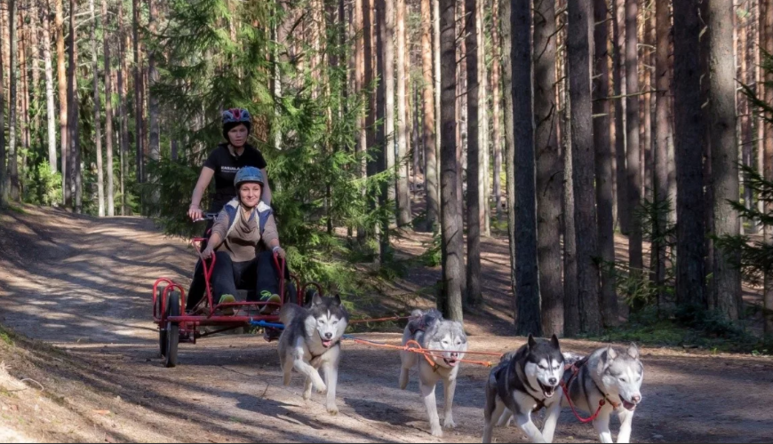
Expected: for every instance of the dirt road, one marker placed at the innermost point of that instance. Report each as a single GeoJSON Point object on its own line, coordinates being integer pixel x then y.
{"type": "Point", "coordinates": [83, 286]}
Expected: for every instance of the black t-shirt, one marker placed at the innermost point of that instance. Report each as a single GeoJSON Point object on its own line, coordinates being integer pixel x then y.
{"type": "Point", "coordinates": [225, 166]}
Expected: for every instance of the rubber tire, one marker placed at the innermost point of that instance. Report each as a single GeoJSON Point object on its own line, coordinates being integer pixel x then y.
{"type": "Point", "coordinates": [162, 341]}
{"type": "Point", "coordinates": [172, 330]}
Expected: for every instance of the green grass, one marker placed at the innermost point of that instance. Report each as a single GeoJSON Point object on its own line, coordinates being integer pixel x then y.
{"type": "Point", "coordinates": [5, 336]}
{"type": "Point", "coordinates": [688, 329]}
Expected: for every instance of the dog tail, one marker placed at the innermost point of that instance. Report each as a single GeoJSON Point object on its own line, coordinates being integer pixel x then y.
{"type": "Point", "coordinates": [288, 312]}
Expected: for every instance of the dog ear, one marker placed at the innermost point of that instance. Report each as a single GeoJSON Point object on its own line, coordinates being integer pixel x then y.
{"type": "Point", "coordinates": [316, 300]}
{"type": "Point", "coordinates": [633, 351]}
{"type": "Point", "coordinates": [611, 354]}
{"type": "Point", "coordinates": [532, 342]}
{"type": "Point", "coordinates": [337, 299]}
{"type": "Point", "coordinates": [554, 342]}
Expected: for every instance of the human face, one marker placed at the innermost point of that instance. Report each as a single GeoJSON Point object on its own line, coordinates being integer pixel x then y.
{"type": "Point", "coordinates": [249, 194]}
{"type": "Point", "coordinates": [238, 136]}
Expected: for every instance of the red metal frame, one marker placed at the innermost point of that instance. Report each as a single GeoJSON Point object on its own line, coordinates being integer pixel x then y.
{"type": "Point", "coordinates": [189, 323]}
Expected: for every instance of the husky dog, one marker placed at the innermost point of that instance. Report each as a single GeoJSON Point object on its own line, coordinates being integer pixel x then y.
{"type": "Point", "coordinates": [613, 376]}
{"type": "Point", "coordinates": [310, 340]}
{"type": "Point", "coordinates": [432, 332]}
{"type": "Point", "coordinates": [523, 383]}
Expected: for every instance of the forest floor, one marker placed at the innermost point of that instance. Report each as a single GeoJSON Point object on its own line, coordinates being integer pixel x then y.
{"type": "Point", "coordinates": [80, 361]}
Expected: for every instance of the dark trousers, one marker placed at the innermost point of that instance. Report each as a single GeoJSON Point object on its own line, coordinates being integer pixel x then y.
{"type": "Point", "coordinates": [229, 276]}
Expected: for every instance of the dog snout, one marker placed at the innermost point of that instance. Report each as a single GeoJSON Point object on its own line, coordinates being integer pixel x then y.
{"type": "Point", "coordinates": [636, 399]}
{"type": "Point", "coordinates": [328, 335]}
{"type": "Point", "coordinates": [553, 381]}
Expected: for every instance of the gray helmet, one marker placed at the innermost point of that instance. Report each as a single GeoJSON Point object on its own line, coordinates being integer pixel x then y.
{"type": "Point", "coordinates": [248, 175]}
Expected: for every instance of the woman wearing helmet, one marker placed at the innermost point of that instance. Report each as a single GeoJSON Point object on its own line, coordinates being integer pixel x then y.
{"type": "Point", "coordinates": [242, 224]}
{"type": "Point", "coordinates": [225, 161]}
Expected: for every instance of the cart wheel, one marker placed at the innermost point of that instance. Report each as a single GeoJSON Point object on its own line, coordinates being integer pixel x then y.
{"type": "Point", "coordinates": [172, 330]}
{"type": "Point", "coordinates": [161, 328]}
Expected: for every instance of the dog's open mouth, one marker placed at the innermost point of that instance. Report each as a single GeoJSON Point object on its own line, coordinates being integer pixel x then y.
{"type": "Point", "coordinates": [327, 343]}
{"type": "Point", "coordinates": [548, 390]}
{"type": "Point", "coordinates": [628, 405]}
{"type": "Point", "coordinates": [451, 362]}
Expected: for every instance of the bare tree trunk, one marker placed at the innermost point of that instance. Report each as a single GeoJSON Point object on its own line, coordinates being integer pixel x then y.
{"type": "Point", "coordinates": [688, 133]}
{"type": "Point", "coordinates": [12, 181]}
{"type": "Point", "coordinates": [429, 124]}
{"type": "Point", "coordinates": [138, 92]}
{"type": "Point", "coordinates": [403, 192]}
{"type": "Point", "coordinates": [766, 43]}
{"type": "Point", "coordinates": [97, 110]}
{"type": "Point", "coordinates": [527, 290]}
{"type": "Point", "coordinates": [484, 192]}
{"type": "Point", "coordinates": [646, 101]}
{"type": "Point", "coordinates": [63, 107]}
{"type": "Point", "coordinates": [632, 135]}
{"type": "Point", "coordinates": [623, 209]}
{"type": "Point", "coordinates": [23, 102]}
{"type": "Point", "coordinates": [549, 170]}
{"type": "Point", "coordinates": [108, 113]}
{"type": "Point", "coordinates": [3, 174]}
{"type": "Point", "coordinates": [507, 82]}
{"type": "Point", "coordinates": [747, 124]}
{"type": "Point", "coordinates": [388, 48]}
{"type": "Point", "coordinates": [583, 164]}
{"type": "Point", "coordinates": [44, 12]}
{"type": "Point", "coordinates": [74, 166]}
{"type": "Point", "coordinates": [474, 296]}
{"type": "Point", "coordinates": [662, 140]}
{"type": "Point", "coordinates": [153, 124]}
{"type": "Point", "coordinates": [122, 81]}
{"type": "Point", "coordinates": [436, 69]}
{"type": "Point", "coordinates": [724, 156]}
{"type": "Point", "coordinates": [496, 97]}
{"type": "Point", "coordinates": [452, 229]}
{"type": "Point", "coordinates": [604, 157]}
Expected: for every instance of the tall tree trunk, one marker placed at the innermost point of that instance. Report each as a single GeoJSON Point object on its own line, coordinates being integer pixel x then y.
{"type": "Point", "coordinates": [436, 70]}
{"type": "Point", "coordinates": [24, 97]}
{"type": "Point", "coordinates": [662, 140]}
{"type": "Point", "coordinates": [429, 124]}
{"type": "Point", "coordinates": [646, 102]}
{"type": "Point", "coordinates": [403, 192]}
{"type": "Point", "coordinates": [604, 157]}
{"type": "Point", "coordinates": [496, 97]}
{"type": "Point", "coordinates": [690, 280]}
{"type": "Point", "coordinates": [527, 294]}
{"type": "Point", "coordinates": [72, 100]}
{"type": "Point", "coordinates": [12, 181]}
{"type": "Point", "coordinates": [747, 75]}
{"type": "Point", "coordinates": [63, 107]}
{"type": "Point", "coordinates": [632, 135]}
{"type": "Point", "coordinates": [122, 86]}
{"type": "Point", "coordinates": [452, 229]}
{"type": "Point", "coordinates": [571, 292]}
{"type": "Point", "coordinates": [153, 124]}
{"type": "Point", "coordinates": [3, 173]}
{"type": "Point", "coordinates": [583, 164]}
{"type": "Point", "coordinates": [474, 296]}
{"type": "Point", "coordinates": [388, 47]}
{"type": "Point", "coordinates": [108, 113]}
{"type": "Point", "coordinates": [138, 92]}
{"type": "Point", "coordinates": [484, 192]}
{"type": "Point", "coordinates": [766, 42]}
{"type": "Point", "coordinates": [549, 169]}
{"type": "Point", "coordinates": [724, 157]}
{"type": "Point", "coordinates": [507, 82]}
{"type": "Point", "coordinates": [44, 13]}
{"type": "Point", "coordinates": [97, 110]}
{"type": "Point", "coordinates": [623, 210]}
{"type": "Point", "coordinates": [367, 135]}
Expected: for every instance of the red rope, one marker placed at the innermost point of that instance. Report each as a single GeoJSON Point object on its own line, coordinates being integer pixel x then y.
{"type": "Point", "coordinates": [414, 347]}
{"type": "Point", "coordinates": [565, 388]}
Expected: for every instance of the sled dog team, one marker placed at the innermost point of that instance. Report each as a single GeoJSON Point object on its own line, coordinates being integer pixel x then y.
{"type": "Point", "coordinates": [523, 383]}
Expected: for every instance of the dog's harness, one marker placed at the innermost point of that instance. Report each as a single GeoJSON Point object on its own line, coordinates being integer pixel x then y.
{"type": "Point", "coordinates": [575, 369]}
{"type": "Point", "coordinates": [421, 326]}
{"type": "Point", "coordinates": [540, 402]}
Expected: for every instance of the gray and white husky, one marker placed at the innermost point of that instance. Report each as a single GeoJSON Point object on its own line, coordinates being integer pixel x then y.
{"type": "Point", "coordinates": [433, 332]}
{"type": "Point", "coordinates": [523, 383]}
{"type": "Point", "coordinates": [311, 340]}
{"type": "Point", "coordinates": [614, 376]}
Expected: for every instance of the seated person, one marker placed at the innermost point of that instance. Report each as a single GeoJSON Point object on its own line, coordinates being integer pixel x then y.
{"type": "Point", "coordinates": [240, 227]}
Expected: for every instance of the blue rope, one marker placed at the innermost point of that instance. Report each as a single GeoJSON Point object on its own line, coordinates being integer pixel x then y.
{"type": "Point", "coordinates": [265, 324]}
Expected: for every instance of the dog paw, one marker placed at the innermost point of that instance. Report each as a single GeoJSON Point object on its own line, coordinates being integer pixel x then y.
{"type": "Point", "coordinates": [449, 423]}
{"type": "Point", "coordinates": [322, 389]}
{"type": "Point", "coordinates": [307, 395]}
{"type": "Point", "coordinates": [332, 409]}
{"type": "Point", "coordinates": [437, 432]}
